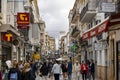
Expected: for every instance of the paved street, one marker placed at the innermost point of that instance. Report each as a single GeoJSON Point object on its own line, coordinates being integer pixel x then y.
{"type": "Point", "coordinates": [73, 78]}
{"type": "Point", "coordinates": [39, 78]}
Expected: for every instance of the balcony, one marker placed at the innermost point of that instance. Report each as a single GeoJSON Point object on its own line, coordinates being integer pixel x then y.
{"type": "Point", "coordinates": [88, 12]}
{"type": "Point", "coordinates": [75, 16]}
{"type": "Point", "coordinates": [75, 32]}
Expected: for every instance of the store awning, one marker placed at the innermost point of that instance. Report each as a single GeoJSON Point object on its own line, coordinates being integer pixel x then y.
{"type": "Point", "coordinates": [101, 27]}
{"type": "Point", "coordinates": [8, 27]}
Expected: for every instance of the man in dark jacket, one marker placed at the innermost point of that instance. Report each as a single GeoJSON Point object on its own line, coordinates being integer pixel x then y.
{"type": "Point", "coordinates": [69, 70]}
{"type": "Point", "coordinates": [92, 69]}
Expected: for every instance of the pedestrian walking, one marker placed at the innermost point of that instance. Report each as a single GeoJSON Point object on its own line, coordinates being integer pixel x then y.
{"type": "Point", "coordinates": [84, 70]}
{"type": "Point", "coordinates": [44, 70]}
{"type": "Point", "coordinates": [69, 69]}
{"type": "Point", "coordinates": [27, 72]}
{"type": "Point", "coordinates": [20, 65]}
{"type": "Point", "coordinates": [5, 73]}
{"type": "Point", "coordinates": [14, 73]}
{"type": "Point", "coordinates": [50, 65]}
{"type": "Point", "coordinates": [92, 70]}
{"type": "Point", "coordinates": [56, 70]}
{"type": "Point", "coordinates": [64, 69]}
{"type": "Point", "coordinates": [77, 69]}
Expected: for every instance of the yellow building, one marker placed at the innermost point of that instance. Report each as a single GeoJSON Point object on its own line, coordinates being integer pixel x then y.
{"type": "Point", "coordinates": [51, 43]}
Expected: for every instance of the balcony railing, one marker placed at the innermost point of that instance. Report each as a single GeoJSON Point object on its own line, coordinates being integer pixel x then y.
{"type": "Point", "coordinates": [75, 14]}
{"type": "Point", "coordinates": [88, 12]}
{"type": "Point", "coordinates": [75, 32]}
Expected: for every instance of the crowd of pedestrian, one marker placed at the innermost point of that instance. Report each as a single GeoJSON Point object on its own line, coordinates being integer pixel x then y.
{"type": "Point", "coordinates": [21, 71]}
{"type": "Point", "coordinates": [48, 70]}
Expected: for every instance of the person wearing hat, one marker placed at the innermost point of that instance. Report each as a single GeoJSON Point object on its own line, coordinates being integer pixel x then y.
{"type": "Point", "coordinates": [77, 69]}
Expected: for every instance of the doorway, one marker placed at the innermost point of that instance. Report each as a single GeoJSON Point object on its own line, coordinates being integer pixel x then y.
{"type": "Point", "coordinates": [118, 60]}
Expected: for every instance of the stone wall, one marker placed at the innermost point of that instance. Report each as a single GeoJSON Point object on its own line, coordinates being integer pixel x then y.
{"type": "Point", "coordinates": [102, 72]}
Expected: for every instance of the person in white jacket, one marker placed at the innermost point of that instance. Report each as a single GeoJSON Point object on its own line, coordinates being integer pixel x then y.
{"type": "Point", "coordinates": [56, 70]}
{"type": "Point", "coordinates": [77, 70]}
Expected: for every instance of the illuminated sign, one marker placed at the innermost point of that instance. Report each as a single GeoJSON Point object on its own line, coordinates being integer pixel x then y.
{"type": "Point", "coordinates": [23, 19]}
{"type": "Point", "coordinates": [7, 37]}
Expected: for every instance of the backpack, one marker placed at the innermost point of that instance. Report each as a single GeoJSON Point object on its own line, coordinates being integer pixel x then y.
{"type": "Point", "coordinates": [14, 76]}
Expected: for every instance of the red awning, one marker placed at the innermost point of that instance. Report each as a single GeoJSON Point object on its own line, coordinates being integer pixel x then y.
{"type": "Point", "coordinates": [101, 27]}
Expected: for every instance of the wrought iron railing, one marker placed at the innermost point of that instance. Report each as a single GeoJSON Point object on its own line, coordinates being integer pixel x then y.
{"type": "Point", "coordinates": [84, 10]}
{"type": "Point", "coordinates": [74, 30]}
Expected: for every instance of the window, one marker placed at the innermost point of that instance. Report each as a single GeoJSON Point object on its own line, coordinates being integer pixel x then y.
{"type": "Point", "coordinates": [98, 21]}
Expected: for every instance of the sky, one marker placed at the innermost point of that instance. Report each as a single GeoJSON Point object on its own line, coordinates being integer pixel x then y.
{"type": "Point", "coordinates": [55, 14]}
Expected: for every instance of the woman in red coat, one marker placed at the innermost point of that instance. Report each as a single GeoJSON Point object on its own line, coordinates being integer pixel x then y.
{"type": "Point", "coordinates": [84, 70]}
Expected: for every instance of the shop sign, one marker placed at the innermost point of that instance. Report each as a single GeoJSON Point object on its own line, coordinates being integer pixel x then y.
{"type": "Point", "coordinates": [96, 30]}
{"type": "Point", "coordinates": [106, 7]}
{"type": "Point", "coordinates": [98, 46]}
{"type": "Point", "coordinates": [23, 19]}
{"type": "Point", "coordinates": [7, 37]}
{"type": "Point", "coordinates": [23, 26]}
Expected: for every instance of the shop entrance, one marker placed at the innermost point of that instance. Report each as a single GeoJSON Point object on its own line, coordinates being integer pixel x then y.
{"type": "Point", "coordinates": [6, 55]}
{"type": "Point", "coordinates": [118, 60]}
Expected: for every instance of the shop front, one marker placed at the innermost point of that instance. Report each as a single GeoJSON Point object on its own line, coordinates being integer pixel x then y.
{"type": "Point", "coordinates": [118, 60]}
{"type": "Point", "coordinates": [114, 48]}
{"type": "Point", "coordinates": [8, 34]}
{"type": "Point", "coordinates": [97, 49]}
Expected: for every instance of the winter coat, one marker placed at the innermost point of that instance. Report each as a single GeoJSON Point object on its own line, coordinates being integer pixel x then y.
{"type": "Point", "coordinates": [64, 68]}
{"type": "Point", "coordinates": [69, 67]}
{"type": "Point", "coordinates": [76, 67]}
{"type": "Point", "coordinates": [27, 75]}
{"type": "Point", "coordinates": [56, 69]}
{"type": "Point", "coordinates": [44, 70]}
{"type": "Point", "coordinates": [14, 70]}
{"type": "Point", "coordinates": [86, 68]}
{"type": "Point", "coordinates": [92, 67]}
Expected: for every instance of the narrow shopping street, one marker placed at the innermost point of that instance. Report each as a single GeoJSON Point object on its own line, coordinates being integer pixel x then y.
{"type": "Point", "coordinates": [62, 39]}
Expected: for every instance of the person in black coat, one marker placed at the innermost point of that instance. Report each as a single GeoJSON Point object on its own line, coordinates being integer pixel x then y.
{"type": "Point", "coordinates": [64, 69]}
{"type": "Point", "coordinates": [44, 70]}
{"type": "Point", "coordinates": [27, 73]}
{"type": "Point", "coordinates": [92, 69]}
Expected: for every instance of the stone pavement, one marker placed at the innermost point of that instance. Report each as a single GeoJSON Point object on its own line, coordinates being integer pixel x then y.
{"type": "Point", "coordinates": [73, 78]}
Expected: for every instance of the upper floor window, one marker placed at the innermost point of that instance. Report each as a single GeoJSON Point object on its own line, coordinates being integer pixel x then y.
{"type": "Point", "coordinates": [97, 21]}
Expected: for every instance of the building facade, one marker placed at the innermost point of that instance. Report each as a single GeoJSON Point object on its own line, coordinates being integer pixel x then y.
{"type": "Point", "coordinates": [98, 37]}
